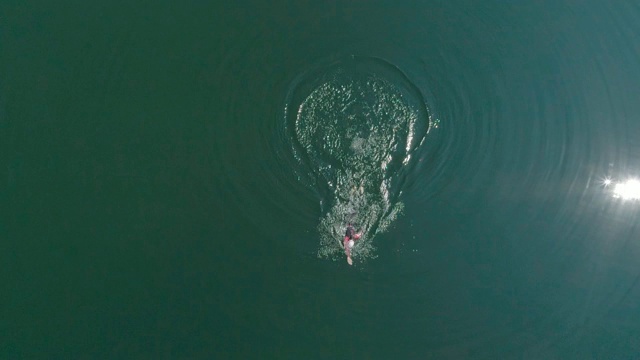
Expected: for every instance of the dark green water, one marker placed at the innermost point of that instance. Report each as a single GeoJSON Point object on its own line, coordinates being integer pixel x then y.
{"type": "Point", "coordinates": [172, 172]}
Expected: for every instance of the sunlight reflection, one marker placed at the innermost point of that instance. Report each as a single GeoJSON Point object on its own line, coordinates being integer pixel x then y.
{"type": "Point", "coordinates": [629, 190]}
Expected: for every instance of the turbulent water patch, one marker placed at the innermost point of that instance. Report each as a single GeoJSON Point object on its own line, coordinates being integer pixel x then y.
{"type": "Point", "coordinates": [354, 125]}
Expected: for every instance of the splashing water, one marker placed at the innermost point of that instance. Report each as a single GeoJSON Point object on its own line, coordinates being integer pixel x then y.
{"type": "Point", "coordinates": [356, 131]}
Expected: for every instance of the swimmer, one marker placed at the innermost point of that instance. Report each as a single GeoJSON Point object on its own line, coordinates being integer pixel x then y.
{"type": "Point", "coordinates": [350, 237]}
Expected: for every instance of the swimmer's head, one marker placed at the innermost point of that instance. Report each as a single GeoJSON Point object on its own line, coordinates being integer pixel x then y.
{"type": "Point", "coordinates": [350, 244]}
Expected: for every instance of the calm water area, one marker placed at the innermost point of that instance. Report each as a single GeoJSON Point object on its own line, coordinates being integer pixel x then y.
{"type": "Point", "coordinates": [176, 179]}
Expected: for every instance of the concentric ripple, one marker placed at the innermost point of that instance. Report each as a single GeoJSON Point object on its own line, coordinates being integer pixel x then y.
{"type": "Point", "coordinates": [354, 125]}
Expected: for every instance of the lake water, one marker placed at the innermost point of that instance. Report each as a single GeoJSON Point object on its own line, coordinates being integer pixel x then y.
{"type": "Point", "coordinates": [177, 179]}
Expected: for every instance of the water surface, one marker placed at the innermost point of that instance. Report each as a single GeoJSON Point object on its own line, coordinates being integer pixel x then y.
{"type": "Point", "coordinates": [172, 173]}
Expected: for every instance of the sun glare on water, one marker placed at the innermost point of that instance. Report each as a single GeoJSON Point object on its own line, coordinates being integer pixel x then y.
{"type": "Point", "coordinates": [628, 190]}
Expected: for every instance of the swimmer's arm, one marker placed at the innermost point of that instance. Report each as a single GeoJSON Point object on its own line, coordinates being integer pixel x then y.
{"type": "Point", "coordinates": [347, 251]}
{"type": "Point", "coordinates": [345, 243]}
